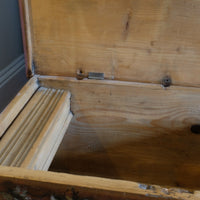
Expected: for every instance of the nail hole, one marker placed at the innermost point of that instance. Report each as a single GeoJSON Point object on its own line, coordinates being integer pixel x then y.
{"type": "Point", "coordinates": [195, 129]}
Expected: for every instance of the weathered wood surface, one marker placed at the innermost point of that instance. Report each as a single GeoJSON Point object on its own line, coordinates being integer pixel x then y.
{"type": "Point", "coordinates": [131, 131]}
{"type": "Point", "coordinates": [17, 104]}
{"type": "Point", "coordinates": [33, 138]}
{"type": "Point", "coordinates": [26, 35]}
{"type": "Point", "coordinates": [39, 185]}
{"type": "Point", "coordinates": [134, 40]}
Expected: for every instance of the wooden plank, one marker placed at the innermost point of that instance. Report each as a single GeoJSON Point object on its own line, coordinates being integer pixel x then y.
{"type": "Point", "coordinates": [37, 127]}
{"type": "Point", "coordinates": [13, 133]}
{"type": "Point", "coordinates": [36, 130]}
{"type": "Point", "coordinates": [48, 136]}
{"type": "Point", "coordinates": [17, 104]}
{"type": "Point", "coordinates": [132, 40]}
{"type": "Point", "coordinates": [56, 144]}
{"type": "Point", "coordinates": [130, 131]}
{"type": "Point", "coordinates": [40, 184]}
{"type": "Point", "coordinates": [21, 141]}
{"type": "Point", "coordinates": [25, 14]}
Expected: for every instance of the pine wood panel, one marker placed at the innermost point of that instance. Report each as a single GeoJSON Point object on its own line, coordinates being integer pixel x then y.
{"type": "Point", "coordinates": [33, 138]}
{"type": "Point", "coordinates": [26, 184]}
{"type": "Point", "coordinates": [26, 35]}
{"type": "Point", "coordinates": [131, 131]}
{"type": "Point", "coordinates": [134, 40]}
{"type": "Point", "coordinates": [17, 104]}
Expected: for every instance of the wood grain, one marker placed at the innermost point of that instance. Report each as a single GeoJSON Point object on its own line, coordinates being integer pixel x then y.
{"type": "Point", "coordinates": [56, 144]}
{"type": "Point", "coordinates": [17, 104]}
{"type": "Point", "coordinates": [33, 136]}
{"type": "Point", "coordinates": [44, 185]}
{"type": "Point", "coordinates": [25, 14]}
{"type": "Point", "coordinates": [132, 40]}
{"type": "Point", "coordinates": [130, 131]}
{"type": "Point", "coordinates": [46, 144]}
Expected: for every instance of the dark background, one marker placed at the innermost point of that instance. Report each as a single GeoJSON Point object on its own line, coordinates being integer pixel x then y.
{"type": "Point", "coordinates": [12, 66]}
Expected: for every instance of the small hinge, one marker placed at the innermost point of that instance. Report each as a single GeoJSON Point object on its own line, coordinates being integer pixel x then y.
{"type": "Point", "coordinates": [96, 75]}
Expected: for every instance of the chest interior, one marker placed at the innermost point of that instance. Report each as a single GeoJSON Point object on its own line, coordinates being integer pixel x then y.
{"type": "Point", "coordinates": [141, 121]}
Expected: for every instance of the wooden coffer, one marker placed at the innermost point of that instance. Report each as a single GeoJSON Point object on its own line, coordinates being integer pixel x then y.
{"type": "Point", "coordinates": [112, 107]}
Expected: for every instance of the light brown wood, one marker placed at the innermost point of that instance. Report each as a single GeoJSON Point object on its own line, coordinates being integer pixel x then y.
{"type": "Point", "coordinates": [133, 40]}
{"type": "Point", "coordinates": [130, 131]}
{"type": "Point", "coordinates": [17, 104]}
{"type": "Point", "coordinates": [46, 142]}
{"type": "Point", "coordinates": [13, 133]}
{"type": "Point", "coordinates": [33, 136]}
{"type": "Point", "coordinates": [25, 127]}
{"type": "Point", "coordinates": [25, 14]}
{"type": "Point", "coordinates": [45, 184]}
{"type": "Point", "coordinates": [39, 124]}
{"type": "Point", "coordinates": [121, 130]}
{"type": "Point", "coordinates": [56, 144]}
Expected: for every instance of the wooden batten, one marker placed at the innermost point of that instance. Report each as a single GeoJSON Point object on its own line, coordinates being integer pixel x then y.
{"type": "Point", "coordinates": [17, 104]}
{"type": "Point", "coordinates": [33, 138]}
{"type": "Point", "coordinates": [49, 185]}
{"type": "Point", "coordinates": [26, 35]}
{"type": "Point", "coordinates": [50, 138]}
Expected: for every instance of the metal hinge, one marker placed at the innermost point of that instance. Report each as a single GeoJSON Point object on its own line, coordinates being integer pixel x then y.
{"type": "Point", "coordinates": [96, 75]}
{"type": "Point", "coordinates": [80, 75]}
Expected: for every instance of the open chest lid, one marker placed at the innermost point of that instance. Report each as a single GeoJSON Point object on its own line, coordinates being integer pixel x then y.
{"type": "Point", "coordinates": [129, 40]}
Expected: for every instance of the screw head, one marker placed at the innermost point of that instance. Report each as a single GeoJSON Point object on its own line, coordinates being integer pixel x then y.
{"type": "Point", "coordinates": [166, 81]}
{"type": "Point", "coordinates": [80, 74]}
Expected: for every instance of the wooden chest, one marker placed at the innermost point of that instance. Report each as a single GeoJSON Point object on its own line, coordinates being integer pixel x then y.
{"type": "Point", "coordinates": [112, 107]}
